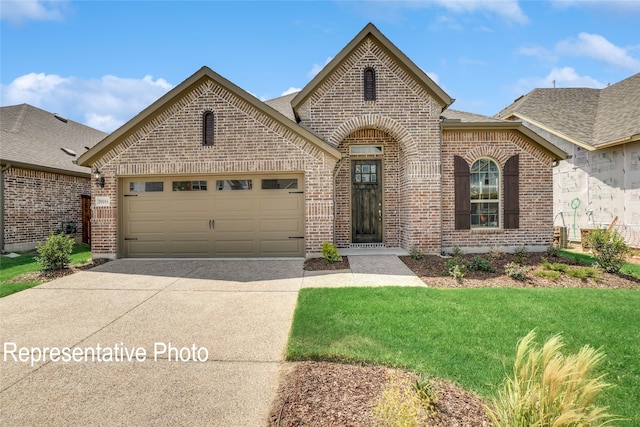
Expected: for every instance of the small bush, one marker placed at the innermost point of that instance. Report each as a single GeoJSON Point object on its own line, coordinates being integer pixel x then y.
{"type": "Point", "coordinates": [495, 253]}
{"type": "Point", "coordinates": [457, 252]}
{"type": "Point", "coordinates": [548, 274]}
{"type": "Point", "coordinates": [415, 253]}
{"type": "Point", "coordinates": [520, 254]}
{"type": "Point", "coordinates": [556, 266]}
{"type": "Point", "coordinates": [455, 268]}
{"type": "Point", "coordinates": [609, 249]}
{"type": "Point", "coordinates": [55, 252]}
{"type": "Point", "coordinates": [401, 405]}
{"type": "Point", "coordinates": [550, 389]}
{"type": "Point", "coordinates": [480, 264]}
{"type": "Point", "coordinates": [553, 251]}
{"type": "Point", "coordinates": [330, 253]}
{"type": "Point", "coordinates": [516, 271]}
{"type": "Point", "coordinates": [583, 272]}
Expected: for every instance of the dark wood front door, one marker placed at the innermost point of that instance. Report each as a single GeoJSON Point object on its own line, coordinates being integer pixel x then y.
{"type": "Point", "coordinates": [86, 219]}
{"type": "Point", "coordinates": [366, 201]}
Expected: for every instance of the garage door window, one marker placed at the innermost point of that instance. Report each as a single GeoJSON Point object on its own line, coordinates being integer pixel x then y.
{"type": "Point", "coordinates": [280, 184]}
{"type": "Point", "coordinates": [233, 184]}
{"type": "Point", "coordinates": [189, 185]}
{"type": "Point", "coordinates": [146, 187]}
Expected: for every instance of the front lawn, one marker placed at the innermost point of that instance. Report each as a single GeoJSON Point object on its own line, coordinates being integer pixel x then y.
{"type": "Point", "coordinates": [629, 268]}
{"type": "Point", "coordinates": [11, 268]}
{"type": "Point", "coordinates": [468, 336]}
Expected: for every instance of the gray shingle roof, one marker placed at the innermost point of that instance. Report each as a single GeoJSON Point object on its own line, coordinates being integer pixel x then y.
{"type": "Point", "coordinates": [595, 117]}
{"type": "Point", "coordinates": [283, 105]}
{"type": "Point", "coordinates": [465, 117]}
{"type": "Point", "coordinates": [31, 136]}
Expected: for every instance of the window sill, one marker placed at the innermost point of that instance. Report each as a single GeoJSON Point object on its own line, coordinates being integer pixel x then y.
{"type": "Point", "coordinates": [487, 230]}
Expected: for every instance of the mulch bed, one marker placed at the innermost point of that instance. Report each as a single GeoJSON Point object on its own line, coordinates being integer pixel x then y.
{"type": "Point", "coordinates": [319, 264]}
{"type": "Point", "coordinates": [46, 276]}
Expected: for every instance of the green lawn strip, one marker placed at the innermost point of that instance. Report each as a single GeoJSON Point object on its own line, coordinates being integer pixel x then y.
{"type": "Point", "coordinates": [26, 263]}
{"type": "Point", "coordinates": [628, 268]}
{"type": "Point", "coordinates": [469, 335]}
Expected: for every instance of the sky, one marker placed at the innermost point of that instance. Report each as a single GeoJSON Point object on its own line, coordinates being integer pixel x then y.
{"type": "Point", "coordinates": [102, 62]}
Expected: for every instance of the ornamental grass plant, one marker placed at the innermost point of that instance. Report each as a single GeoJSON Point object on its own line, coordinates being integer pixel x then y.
{"type": "Point", "coordinates": [549, 389]}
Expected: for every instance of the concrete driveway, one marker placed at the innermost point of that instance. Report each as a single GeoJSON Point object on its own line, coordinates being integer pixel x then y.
{"type": "Point", "coordinates": [172, 342]}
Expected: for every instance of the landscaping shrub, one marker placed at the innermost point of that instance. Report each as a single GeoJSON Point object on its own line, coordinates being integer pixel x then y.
{"type": "Point", "coordinates": [609, 249]}
{"type": "Point", "coordinates": [329, 252]}
{"type": "Point", "coordinates": [415, 253]}
{"type": "Point", "coordinates": [553, 251]}
{"type": "Point", "coordinates": [520, 254]}
{"type": "Point", "coordinates": [549, 274]}
{"type": "Point", "coordinates": [55, 252]}
{"type": "Point", "coordinates": [457, 252]}
{"type": "Point", "coordinates": [401, 405]}
{"type": "Point", "coordinates": [550, 389]}
{"type": "Point", "coordinates": [480, 264]}
{"type": "Point", "coordinates": [556, 266]}
{"type": "Point", "coordinates": [455, 268]}
{"type": "Point", "coordinates": [516, 271]}
{"type": "Point", "coordinates": [583, 272]}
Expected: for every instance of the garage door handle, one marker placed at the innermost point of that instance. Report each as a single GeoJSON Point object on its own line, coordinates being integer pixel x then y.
{"type": "Point", "coordinates": [212, 224]}
{"type": "Point", "coordinates": [130, 238]}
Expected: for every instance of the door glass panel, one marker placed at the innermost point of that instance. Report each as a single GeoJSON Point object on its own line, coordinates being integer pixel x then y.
{"type": "Point", "coordinates": [365, 168]}
{"type": "Point", "coordinates": [279, 184]}
{"type": "Point", "coordinates": [189, 185]}
{"type": "Point", "coordinates": [233, 184]}
{"type": "Point", "coordinates": [146, 187]}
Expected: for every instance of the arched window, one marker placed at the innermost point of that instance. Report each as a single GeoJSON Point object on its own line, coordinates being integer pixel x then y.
{"type": "Point", "coordinates": [485, 194]}
{"type": "Point", "coordinates": [207, 128]}
{"type": "Point", "coordinates": [369, 84]}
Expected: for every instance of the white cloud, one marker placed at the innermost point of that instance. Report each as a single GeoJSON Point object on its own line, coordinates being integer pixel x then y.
{"type": "Point", "coordinates": [316, 68]}
{"type": "Point", "coordinates": [104, 103]}
{"type": "Point", "coordinates": [597, 47]}
{"type": "Point", "coordinates": [560, 77]}
{"type": "Point", "coordinates": [290, 91]}
{"type": "Point", "coordinates": [507, 9]}
{"type": "Point", "coordinates": [19, 11]}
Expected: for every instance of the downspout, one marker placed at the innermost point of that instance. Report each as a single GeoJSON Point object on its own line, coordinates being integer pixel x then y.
{"type": "Point", "coordinates": [441, 185]}
{"type": "Point", "coordinates": [2, 171]}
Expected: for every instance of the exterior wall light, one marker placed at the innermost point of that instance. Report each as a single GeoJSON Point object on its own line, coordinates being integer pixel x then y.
{"type": "Point", "coordinates": [97, 175]}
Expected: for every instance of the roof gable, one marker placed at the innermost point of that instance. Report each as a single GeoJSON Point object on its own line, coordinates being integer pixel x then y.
{"type": "Point", "coordinates": [176, 93]}
{"type": "Point", "coordinates": [370, 31]}
{"type": "Point", "coordinates": [35, 138]}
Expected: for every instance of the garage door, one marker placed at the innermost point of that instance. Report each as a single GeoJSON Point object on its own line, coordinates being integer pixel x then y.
{"type": "Point", "coordinates": [212, 216]}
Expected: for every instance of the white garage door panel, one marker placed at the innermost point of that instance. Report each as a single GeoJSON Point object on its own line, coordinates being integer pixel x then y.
{"type": "Point", "coordinates": [211, 222]}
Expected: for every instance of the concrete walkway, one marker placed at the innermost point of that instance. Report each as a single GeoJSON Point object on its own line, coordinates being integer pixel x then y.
{"type": "Point", "coordinates": [209, 336]}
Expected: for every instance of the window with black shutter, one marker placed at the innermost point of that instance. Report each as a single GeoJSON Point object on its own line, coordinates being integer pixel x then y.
{"type": "Point", "coordinates": [369, 84]}
{"type": "Point", "coordinates": [512, 193]}
{"type": "Point", "coordinates": [462, 194]}
{"type": "Point", "coordinates": [207, 128]}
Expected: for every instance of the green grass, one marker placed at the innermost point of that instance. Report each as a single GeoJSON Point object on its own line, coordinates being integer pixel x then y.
{"type": "Point", "coordinates": [469, 336]}
{"type": "Point", "coordinates": [26, 263]}
{"type": "Point", "coordinates": [628, 268]}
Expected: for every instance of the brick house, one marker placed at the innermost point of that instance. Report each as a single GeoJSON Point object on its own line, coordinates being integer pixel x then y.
{"type": "Point", "coordinates": [600, 130]}
{"type": "Point", "coordinates": [366, 155]}
{"type": "Point", "coordinates": [41, 187]}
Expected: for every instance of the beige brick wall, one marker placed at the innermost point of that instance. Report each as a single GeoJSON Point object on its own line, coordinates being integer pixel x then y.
{"type": "Point", "coordinates": [405, 113]}
{"type": "Point", "coordinates": [536, 191]}
{"type": "Point", "coordinates": [246, 141]}
{"type": "Point", "coordinates": [35, 203]}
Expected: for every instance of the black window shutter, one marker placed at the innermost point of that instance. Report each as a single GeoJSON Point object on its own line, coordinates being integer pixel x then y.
{"type": "Point", "coordinates": [512, 192]}
{"type": "Point", "coordinates": [462, 193]}
{"type": "Point", "coordinates": [207, 128]}
{"type": "Point", "coordinates": [369, 84]}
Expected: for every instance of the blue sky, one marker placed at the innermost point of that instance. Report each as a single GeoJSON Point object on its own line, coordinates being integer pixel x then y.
{"type": "Point", "coordinates": [102, 62]}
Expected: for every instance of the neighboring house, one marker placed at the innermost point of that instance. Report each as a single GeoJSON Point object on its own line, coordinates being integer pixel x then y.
{"type": "Point", "coordinates": [600, 130]}
{"type": "Point", "coordinates": [366, 156]}
{"type": "Point", "coordinates": [41, 187]}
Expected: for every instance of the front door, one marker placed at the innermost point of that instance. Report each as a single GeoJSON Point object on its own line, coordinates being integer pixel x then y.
{"type": "Point", "coordinates": [366, 201]}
